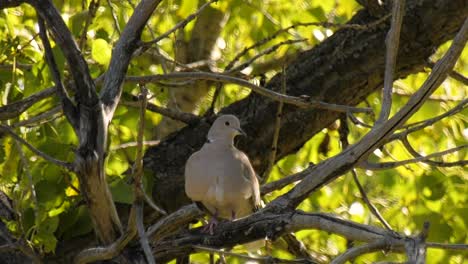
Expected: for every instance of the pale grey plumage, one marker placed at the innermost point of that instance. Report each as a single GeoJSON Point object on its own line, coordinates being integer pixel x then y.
{"type": "Point", "coordinates": [220, 176]}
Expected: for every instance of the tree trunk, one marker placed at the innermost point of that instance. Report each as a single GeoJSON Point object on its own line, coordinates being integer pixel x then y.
{"type": "Point", "coordinates": [206, 31]}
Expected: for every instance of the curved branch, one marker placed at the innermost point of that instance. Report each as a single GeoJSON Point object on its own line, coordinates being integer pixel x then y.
{"type": "Point", "coordinates": [262, 224]}
{"type": "Point", "coordinates": [86, 90]}
{"type": "Point", "coordinates": [219, 77]}
{"type": "Point", "coordinates": [355, 252]}
{"type": "Point", "coordinates": [122, 53]}
{"type": "Point", "coordinates": [15, 109]}
{"type": "Point", "coordinates": [63, 164]}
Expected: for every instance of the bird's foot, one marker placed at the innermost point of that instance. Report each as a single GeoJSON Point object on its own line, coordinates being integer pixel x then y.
{"type": "Point", "coordinates": [209, 228]}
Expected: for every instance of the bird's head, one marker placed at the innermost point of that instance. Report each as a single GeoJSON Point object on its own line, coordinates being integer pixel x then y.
{"type": "Point", "coordinates": [225, 127]}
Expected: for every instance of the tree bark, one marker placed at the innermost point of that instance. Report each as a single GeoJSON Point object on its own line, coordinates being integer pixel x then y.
{"type": "Point", "coordinates": [344, 69]}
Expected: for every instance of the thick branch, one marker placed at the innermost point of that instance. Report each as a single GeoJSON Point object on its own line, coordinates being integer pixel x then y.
{"type": "Point", "coordinates": [122, 53]}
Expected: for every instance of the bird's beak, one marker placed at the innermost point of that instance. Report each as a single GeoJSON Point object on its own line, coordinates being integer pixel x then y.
{"type": "Point", "coordinates": [241, 132]}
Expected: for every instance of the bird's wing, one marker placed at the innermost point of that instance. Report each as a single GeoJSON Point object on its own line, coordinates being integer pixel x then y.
{"type": "Point", "coordinates": [248, 173]}
{"type": "Point", "coordinates": [198, 179]}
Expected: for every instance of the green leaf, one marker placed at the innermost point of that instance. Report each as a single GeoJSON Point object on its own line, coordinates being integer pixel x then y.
{"type": "Point", "coordinates": [122, 192]}
{"type": "Point", "coordinates": [101, 51]}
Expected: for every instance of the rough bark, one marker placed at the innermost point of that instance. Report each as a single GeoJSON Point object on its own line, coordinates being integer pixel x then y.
{"type": "Point", "coordinates": [343, 69]}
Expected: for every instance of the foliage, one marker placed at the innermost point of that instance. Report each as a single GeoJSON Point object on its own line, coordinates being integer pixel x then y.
{"type": "Point", "coordinates": [47, 198]}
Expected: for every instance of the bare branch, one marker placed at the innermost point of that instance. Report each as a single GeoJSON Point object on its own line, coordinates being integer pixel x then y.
{"type": "Point", "coordinates": [63, 164]}
{"type": "Point", "coordinates": [122, 53]}
{"type": "Point", "coordinates": [281, 183]}
{"type": "Point", "coordinates": [114, 17]}
{"type": "Point", "coordinates": [421, 125]}
{"type": "Point", "coordinates": [86, 91]}
{"type": "Point", "coordinates": [15, 109]}
{"type": "Point", "coordinates": [93, 6]}
{"type": "Point", "coordinates": [355, 252]}
{"type": "Point", "coordinates": [134, 144]}
{"type": "Point", "coordinates": [336, 166]}
{"type": "Point", "coordinates": [391, 165]}
{"type": "Point", "coordinates": [263, 53]}
{"type": "Point", "coordinates": [174, 221]}
{"type": "Point", "coordinates": [41, 118]}
{"type": "Point", "coordinates": [274, 144]}
{"type": "Point", "coordinates": [260, 224]}
{"type": "Point", "coordinates": [297, 101]}
{"type": "Point", "coordinates": [322, 24]}
{"type": "Point", "coordinates": [298, 249]}
{"type": "Point", "coordinates": [358, 122]}
{"type": "Point", "coordinates": [416, 247]}
{"type": "Point", "coordinates": [137, 177]}
{"type": "Point", "coordinates": [392, 43]}
{"type": "Point", "coordinates": [68, 107]}
{"type": "Point", "coordinates": [26, 170]}
{"type": "Point", "coordinates": [258, 259]}
{"type": "Point", "coordinates": [187, 118]}
{"type": "Point", "coordinates": [181, 24]}
{"type": "Point", "coordinates": [415, 154]}
{"type": "Point", "coordinates": [453, 74]}
{"type": "Point", "coordinates": [138, 205]}
{"type": "Point", "coordinates": [103, 253]}
{"type": "Point", "coordinates": [463, 247]}
{"type": "Point", "coordinates": [371, 207]}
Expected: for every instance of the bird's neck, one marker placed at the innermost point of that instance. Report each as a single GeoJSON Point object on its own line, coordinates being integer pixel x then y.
{"type": "Point", "coordinates": [220, 141]}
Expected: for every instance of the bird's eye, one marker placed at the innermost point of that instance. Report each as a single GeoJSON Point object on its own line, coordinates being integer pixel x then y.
{"type": "Point", "coordinates": [227, 123]}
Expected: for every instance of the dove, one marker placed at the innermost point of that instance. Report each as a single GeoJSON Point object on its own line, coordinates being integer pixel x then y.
{"type": "Point", "coordinates": [220, 177]}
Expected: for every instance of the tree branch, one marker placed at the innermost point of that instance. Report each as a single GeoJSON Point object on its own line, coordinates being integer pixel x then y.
{"type": "Point", "coordinates": [122, 53]}
{"type": "Point", "coordinates": [15, 109]}
{"type": "Point", "coordinates": [69, 109]}
{"type": "Point", "coordinates": [63, 164]}
{"type": "Point", "coordinates": [336, 166]}
{"type": "Point", "coordinates": [297, 101]}
{"type": "Point", "coordinates": [355, 252]}
{"type": "Point", "coordinates": [392, 43]}
{"type": "Point", "coordinates": [419, 158]}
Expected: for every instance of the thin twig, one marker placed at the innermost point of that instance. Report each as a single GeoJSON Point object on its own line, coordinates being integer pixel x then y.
{"type": "Point", "coordinates": [453, 74]}
{"type": "Point", "coordinates": [41, 118]}
{"type": "Point", "coordinates": [369, 204]}
{"type": "Point", "coordinates": [134, 144]}
{"type": "Point", "coordinates": [67, 105]}
{"type": "Point", "coordinates": [181, 24]}
{"type": "Point", "coordinates": [281, 183]}
{"type": "Point", "coordinates": [274, 144]}
{"type": "Point", "coordinates": [392, 43]}
{"type": "Point", "coordinates": [398, 90]}
{"type": "Point", "coordinates": [415, 154]}
{"type": "Point", "coordinates": [297, 101]}
{"type": "Point", "coordinates": [463, 247]}
{"type": "Point", "coordinates": [137, 177]}
{"type": "Point", "coordinates": [259, 259]}
{"type": "Point", "coordinates": [410, 128]}
{"type": "Point", "coordinates": [32, 188]}
{"type": "Point", "coordinates": [322, 24]}
{"type": "Point", "coordinates": [93, 6]}
{"type": "Point", "coordinates": [114, 17]}
{"type": "Point", "coordinates": [263, 53]}
{"type": "Point", "coordinates": [66, 165]}
{"type": "Point", "coordinates": [184, 117]}
{"type": "Point", "coordinates": [391, 165]}
{"type": "Point", "coordinates": [356, 121]}
{"type": "Point", "coordinates": [355, 252]}
{"type": "Point", "coordinates": [15, 109]}
{"type": "Point", "coordinates": [103, 253]}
